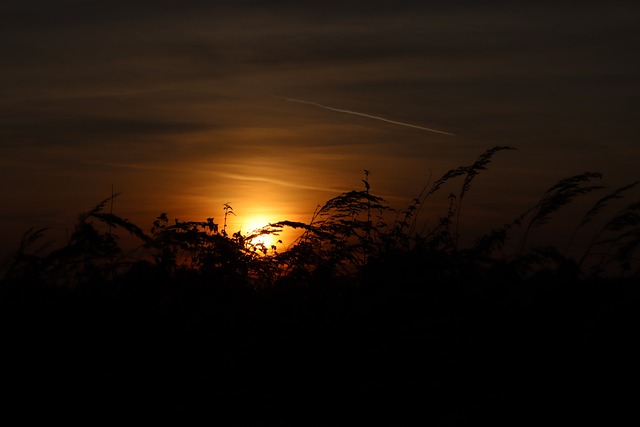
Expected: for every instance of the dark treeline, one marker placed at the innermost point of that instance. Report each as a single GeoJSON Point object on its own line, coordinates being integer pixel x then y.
{"type": "Point", "coordinates": [367, 317]}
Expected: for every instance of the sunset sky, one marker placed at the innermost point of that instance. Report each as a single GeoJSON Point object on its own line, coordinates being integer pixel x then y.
{"type": "Point", "coordinates": [186, 105]}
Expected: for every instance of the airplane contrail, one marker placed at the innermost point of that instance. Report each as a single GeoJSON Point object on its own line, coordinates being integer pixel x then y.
{"type": "Point", "coordinates": [339, 110]}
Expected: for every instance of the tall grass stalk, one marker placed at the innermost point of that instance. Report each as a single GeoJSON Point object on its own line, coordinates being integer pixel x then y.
{"type": "Point", "coordinates": [340, 241]}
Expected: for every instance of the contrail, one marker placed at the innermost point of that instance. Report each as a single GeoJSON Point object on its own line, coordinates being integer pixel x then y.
{"type": "Point", "coordinates": [300, 101]}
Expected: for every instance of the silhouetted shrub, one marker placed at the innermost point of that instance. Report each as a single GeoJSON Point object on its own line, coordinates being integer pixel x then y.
{"type": "Point", "coordinates": [368, 315]}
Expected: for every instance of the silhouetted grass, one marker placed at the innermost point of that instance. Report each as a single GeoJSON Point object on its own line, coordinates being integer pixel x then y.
{"type": "Point", "coordinates": [369, 316]}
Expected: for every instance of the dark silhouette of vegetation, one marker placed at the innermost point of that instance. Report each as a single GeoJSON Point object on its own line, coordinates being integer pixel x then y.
{"type": "Point", "coordinates": [371, 315]}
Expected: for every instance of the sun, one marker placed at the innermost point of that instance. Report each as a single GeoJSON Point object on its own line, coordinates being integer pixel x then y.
{"type": "Point", "coordinates": [255, 223]}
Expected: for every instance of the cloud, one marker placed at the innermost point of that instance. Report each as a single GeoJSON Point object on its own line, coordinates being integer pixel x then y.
{"type": "Point", "coordinates": [84, 129]}
{"type": "Point", "coordinates": [281, 183]}
{"type": "Point", "coordinates": [143, 84]}
{"type": "Point", "coordinates": [201, 171]}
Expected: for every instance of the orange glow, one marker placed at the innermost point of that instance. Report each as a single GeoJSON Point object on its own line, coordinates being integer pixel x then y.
{"type": "Point", "coordinates": [253, 223]}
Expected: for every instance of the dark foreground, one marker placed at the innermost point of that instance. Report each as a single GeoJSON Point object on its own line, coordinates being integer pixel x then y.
{"type": "Point", "coordinates": [397, 351]}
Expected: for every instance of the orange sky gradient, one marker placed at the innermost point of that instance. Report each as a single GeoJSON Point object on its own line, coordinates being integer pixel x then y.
{"type": "Point", "coordinates": [173, 105]}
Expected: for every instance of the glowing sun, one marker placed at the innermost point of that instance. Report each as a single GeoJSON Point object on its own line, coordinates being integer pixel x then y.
{"type": "Point", "coordinates": [255, 223]}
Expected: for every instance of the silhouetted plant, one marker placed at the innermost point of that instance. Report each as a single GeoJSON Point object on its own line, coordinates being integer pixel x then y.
{"type": "Point", "coordinates": [623, 241]}
{"type": "Point", "coordinates": [340, 235]}
{"type": "Point", "coordinates": [470, 172]}
{"type": "Point", "coordinates": [599, 206]}
{"type": "Point", "coordinates": [88, 255]}
{"type": "Point", "coordinates": [27, 260]}
{"type": "Point", "coordinates": [343, 236]}
{"type": "Point", "coordinates": [202, 247]}
{"type": "Point", "coordinates": [559, 195]}
{"type": "Point", "coordinates": [223, 317]}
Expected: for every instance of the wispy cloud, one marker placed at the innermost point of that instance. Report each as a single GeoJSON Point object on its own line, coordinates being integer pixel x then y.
{"type": "Point", "coordinates": [228, 175]}
{"type": "Point", "coordinates": [356, 113]}
{"type": "Point", "coordinates": [241, 177]}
